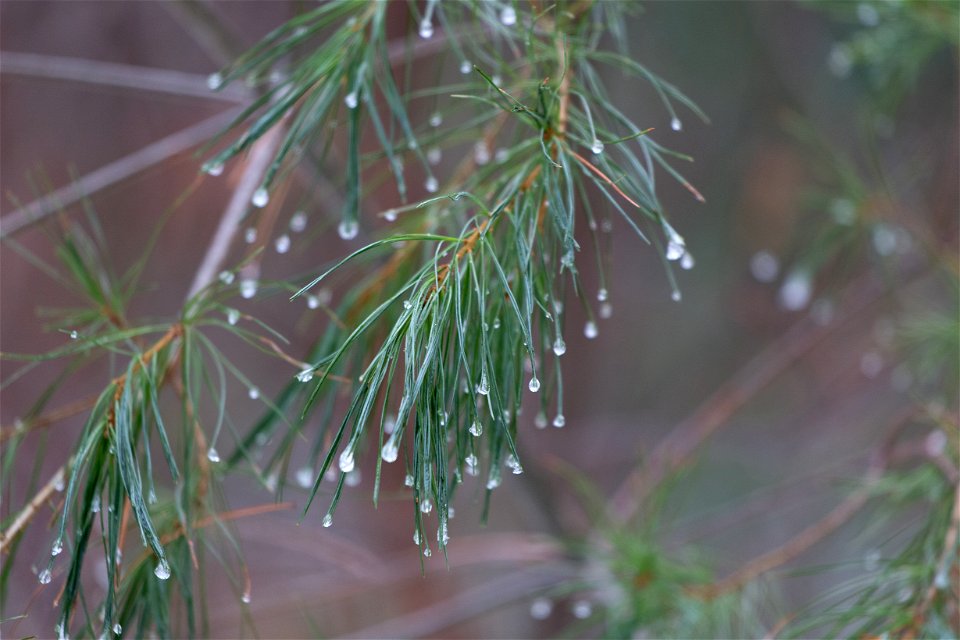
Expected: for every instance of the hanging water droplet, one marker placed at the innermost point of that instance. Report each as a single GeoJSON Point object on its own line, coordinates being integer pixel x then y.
{"type": "Point", "coordinates": [254, 393]}
{"type": "Point", "coordinates": [466, 67]}
{"type": "Point", "coordinates": [451, 512]}
{"type": "Point", "coordinates": [796, 290]}
{"type": "Point", "coordinates": [541, 608]}
{"type": "Point", "coordinates": [351, 100]}
{"type": "Point", "coordinates": [471, 461]}
{"type": "Point", "coordinates": [436, 120]}
{"type": "Point", "coordinates": [270, 483]}
{"type": "Point", "coordinates": [407, 304]}
{"type": "Point", "coordinates": [250, 235]}
{"type": "Point", "coordinates": [764, 266]}
{"type": "Point", "coordinates": [431, 185]}
{"type": "Point", "coordinates": [162, 570]}
{"type": "Point", "coordinates": [602, 294]}
{"type": "Point", "coordinates": [353, 478]}
{"type": "Point", "coordinates": [434, 155]}
{"type": "Point", "coordinates": [508, 16]}
{"type": "Point", "coordinates": [390, 451]}
{"type": "Point", "coordinates": [843, 211]}
{"type": "Point", "coordinates": [305, 376]}
{"type": "Point", "coordinates": [687, 262]}
{"type": "Point", "coordinates": [117, 628]}
{"type": "Point", "coordinates": [606, 310]}
{"type": "Point", "coordinates": [590, 330]}
{"type": "Point", "coordinates": [676, 296]}
{"type": "Point", "coordinates": [581, 609]}
{"type": "Point", "coordinates": [305, 477]}
{"type": "Point", "coordinates": [540, 420]}
{"type": "Point", "coordinates": [596, 147]}
{"type": "Point", "coordinates": [57, 547]}
{"type": "Point", "coordinates": [534, 385]}
{"type": "Point", "coordinates": [213, 168]}
{"type": "Point", "coordinates": [58, 484]}
{"type": "Point", "coordinates": [313, 302]}
{"type": "Point", "coordinates": [426, 506]}
{"type": "Point", "coordinates": [476, 429]}
{"type": "Point", "coordinates": [233, 316]}
{"type": "Point", "coordinates": [559, 422]}
{"type": "Point", "coordinates": [408, 480]}
{"type": "Point", "coordinates": [513, 464]}
{"type": "Point", "coordinates": [260, 197]}
{"type": "Point", "coordinates": [298, 222]}
{"type": "Point", "coordinates": [245, 597]}
{"type": "Point", "coordinates": [426, 552]}
{"type": "Point", "coordinates": [152, 496]}
{"type": "Point", "coordinates": [416, 537]}
{"type": "Point", "coordinates": [566, 260]}
{"type": "Point", "coordinates": [213, 455]}
{"type": "Point", "coordinates": [426, 29]}
{"type": "Point", "coordinates": [481, 153]}
{"type": "Point", "coordinates": [559, 347]}
{"type": "Point", "coordinates": [214, 80]}
{"type": "Point", "coordinates": [493, 481]}
{"type": "Point", "coordinates": [443, 535]}
{"type": "Point", "coordinates": [675, 124]}
{"type": "Point", "coordinates": [45, 576]}
{"type": "Point", "coordinates": [327, 520]}
{"type": "Point", "coordinates": [348, 229]}
{"type": "Point", "coordinates": [226, 277]}
{"type": "Point", "coordinates": [483, 387]}
{"type": "Point", "coordinates": [248, 287]}
{"type": "Point", "coordinates": [346, 462]}
{"type": "Point", "coordinates": [675, 250]}
{"type": "Point", "coordinates": [282, 244]}
{"type": "Point", "coordinates": [74, 334]}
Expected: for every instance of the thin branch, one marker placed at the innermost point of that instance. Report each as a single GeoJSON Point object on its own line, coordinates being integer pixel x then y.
{"type": "Point", "coordinates": [112, 74]}
{"type": "Point", "coordinates": [30, 510]}
{"type": "Point", "coordinates": [50, 418]}
{"type": "Point", "coordinates": [113, 173]}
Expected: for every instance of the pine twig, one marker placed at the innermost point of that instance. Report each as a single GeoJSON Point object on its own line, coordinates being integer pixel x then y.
{"type": "Point", "coordinates": [30, 510]}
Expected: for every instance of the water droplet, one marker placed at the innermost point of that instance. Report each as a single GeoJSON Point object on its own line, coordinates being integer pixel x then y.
{"type": "Point", "coordinates": [764, 266]}
{"type": "Point", "coordinates": [481, 153]}
{"type": "Point", "coordinates": [426, 552]}
{"type": "Point", "coordinates": [226, 277]}
{"type": "Point", "coordinates": [476, 429]}
{"type": "Point", "coordinates": [431, 185]}
{"type": "Point", "coordinates": [436, 120]}
{"type": "Point", "coordinates": [687, 262]}
{"type": "Point", "coordinates": [348, 229]}
{"type": "Point", "coordinates": [596, 147]}
{"type": "Point", "coordinates": [212, 455]}
{"type": "Point", "coordinates": [426, 29]}
{"type": "Point", "coordinates": [346, 462]}
{"type": "Point", "coordinates": [312, 302]}
{"type": "Point", "coordinates": [233, 316]}
{"type": "Point", "coordinates": [867, 14]}
{"type": "Point", "coordinates": [513, 464]}
{"type": "Point", "coordinates": [282, 244]}
{"type": "Point", "coordinates": [541, 608]}
{"type": "Point", "coordinates": [590, 330]}
{"type": "Point", "coordinates": [559, 347]}
{"type": "Point", "coordinates": [245, 597]}
{"type": "Point", "coordinates": [795, 291]}
{"type": "Point", "coordinates": [117, 628]}
{"type": "Point", "coordinates": [581, 609]}
{"type": "Point", "coordinates": [351, 100]}
{"type": "Point", "coordinates": [254, 393]}
{"type": "Point", "coordinates": [250, 235]}
{"type": "Point", "coordinates": [494, 480]}
{"type": "Point", "coordinates": [508, 16]}
{"type": "Point", "coordinates": [305, 477]}
{"type": "Point", "coordinates": [59, 483]}
{"type": "Point", "coordinates": [483, 387]}
{"type": "Point", "coordinates": [389, 451]}
{"type": "Point", "coordinates": [57, 547]}
{"type": "Point", "coordinates": [327, 520]}
{"type": "Point", "coordinates": [407, 304]}
{"type": "Point", "coordinates": [214, 81]}
{"type": "Point", "coordinates": [434, 155]}
{"type": "Point", "coordinates": [298, 222]}
{"type": "Point", "coordinates": [162, 570]}
{"type": "Point", "coordinates": [560, 422]}
{"type": "Point", "coordinates": [497, 80]}
{"type": "Point", "coordinates": [676, 295]}
{"type": "Point", "coordinates": [45, 576]}
{"type": "Point", "coordinates": [416, 537]}
{"type": "Point", "coordinates": [213, 169]}
{"type": "Point", "coordinates": [540, 420]}
{"type": "Point", "coordinates": [534, 385]}
{"type": "Point", "coordinates": [471, 461]}
{"type": "Point", "coordinates": [95, 504]}
{"type": "Point", "coordinates": [74, 334]}
{"type": "Point", "coordinates": [353, 478]}
{"type": "Point", "coordinates": [871, 364]}
{"type": "Point", "coordinates": [941, 581]}
{"type": "Point", "coordinates": [260, 198]}
{"type": "Point", "coordinates": [466, 67]}
{"type": "Point", "coordinates": [606, 310]}
{"type": "Point", "coordinates": [271, 482]}
{"type": "Point", "coordinates": [675, 124]}
{"type": "Point", "coordinates": [602, 294]}
{"type": "Point", "coordinates": [248, 287]}
{"type": "Point", "coordinates": [675, 250]}
{"type": "Point", "coordinates": [408, 480]}
{"type": "Point", "coordinates": [305, 376]}
{"type": "Point", "coordinates": [426, 506]}
{"type": "Point", "coordinates": [843, 211]}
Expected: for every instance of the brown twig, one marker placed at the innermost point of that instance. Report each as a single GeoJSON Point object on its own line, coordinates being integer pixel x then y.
{"type": "Point", "coordinates": [50, 418]}
{"type": "Point", "coordinates": [30, 510]}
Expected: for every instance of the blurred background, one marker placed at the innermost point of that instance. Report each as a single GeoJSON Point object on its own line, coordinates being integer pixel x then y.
{"type": "Point", "coordinates": [829, 170]}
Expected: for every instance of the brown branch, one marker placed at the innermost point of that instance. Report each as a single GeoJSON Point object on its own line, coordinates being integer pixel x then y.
{"type": "Point", "coordinates": [47, 419]}
{"type": "Point", "coordinates": [30, 510]}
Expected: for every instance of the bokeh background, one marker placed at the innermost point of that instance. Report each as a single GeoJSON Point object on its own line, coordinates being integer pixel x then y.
{"type": "Point", "coordinates": [777, 463]}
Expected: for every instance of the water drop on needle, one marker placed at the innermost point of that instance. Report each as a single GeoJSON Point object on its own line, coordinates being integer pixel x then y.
{"type": "Point", "coordinates": [298, 222]}
{"type": "Point", "coordinates": [248, 288]}
{"type": "Point", "coordinates": [305, 477]}
{"type": "Point", "coordinates": [590, 330]}
{"type": "Point", "coordinates": [45, 576]}
{"type": "Point", "coordinates": [508, 16]}
{"type": "Point", "coordinates": [327, 520]}
{"type": "Point", "coordinates": [675, 124]}
{"type": "Point", "coordinates": [596, 147]}
{"type": "Point", "coordinates": [436, 120]}
{"type": "Point", "coordinates": [213, 455]}
{"type": "Point", "coordinates": [390, 451]}
{"type": "Point", "coordinates": [426, 29]}
{"type": "Point", "coordinates": [254, 393]}
{"type": "Point", "coordinates": [476, 429]}
{"type": "Point", "coordinates": [431, 185]}
{"type": "Point", "coordinates": [214, 169]}
{"type": "Point", "coordinates": [260, 197]}
{"type": "Point", "coordinates": [559, 422]}
{"type": "Point", "coordinates": [559, 347]}
{"type": "Point", "coordinates": [348, 229]}
{"type": "Point", "coordinates": [214, 80]}
{"type": "Point", "coordinates": [534, 385]}
{"type": "Point", "coordinates": [57, 548]}
{"type": "Point", "coordinates": [465, 67]}
{"type": "Point", "coordinates": [346, 461]}
{"type": "Point", "coordinates": [351, 100]}
{"type": "Point", "coordinates": [162, 570]}
{"type": "Point", "coordinates": [282, 243]}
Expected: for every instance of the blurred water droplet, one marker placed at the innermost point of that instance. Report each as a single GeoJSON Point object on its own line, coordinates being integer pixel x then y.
{"type": "Point", "coordinates": [602, 294]}
{"type": "Point", "coordinates": [540, 420]}
{"type": "Point", "coordinates": [57, 547]}
{"type": "Point", "coordinates": [213, 455]}
{"type": "Point", "coordinates": [466, 67]}
{"type": "Point", "coordinates": [606, 310]}
{"type": "Point", "coordinates": [434, 155]}
{"type": "Point", "coordinates": [298, 222]}
{"type": "Point", "coordinates": [534, 385]}
{"type": "Point", "coordinates": [560, 421]}
{"type": "Point", "coordinates": [327, 520]}
{"type": "Point", "coordinates": [313, 301]}
{"type": "Point", "coordinates": [45, 576]}
{"type": "Point", "coordinates": [245, 597]}
{"type": "Point", "coordinates": [162, 570]}
{"type": "Point", "coordinates": [426, 506]}
{"type": "Point", "coordinates": [795, 291]}
{"type": "Point", "coordinates": [353, 478]}
{"type": "Point", "coordinates": [675, 250]}
{"type": "Point", "coordinates": [282, 243]}
{"type": "Point", "coordinates": [351, 100]}
{"type": "Point", "coordinates": [541, 608]}
{"type": "Point", "coordinates": [675, 124]}
{"type": "Point", "coordinates": [436, 120]}
{"type": "Point", "coordinates": [254, 393]}
{"type": "Point", "coordinates": [305, 376]}
{"type": "Point", "coordinates": [250, 235]}
{"type": "Point", "coordinates": [431, 185]}
{"type": "Point", "coordinates": [348, 229]}
{"type": "Point", "coordinates": [305, 477]}
{"type": "Point", "coordinates": [676, 296]}
{"type": "Point", "coordinates": [426, 29]}
{"type": "Point", "coordinates": [597, 147]}
{"type": "Point", "coordinates": [508, 16]}
{"type": "Point", "coordinates": [226, 277]}
{"type": "Point", "coordinates": [764, 266]}
{"type": "Point", "coordinates": [871, 364]}
{"type": "Point", "coordinates": [481, 153]}
{"type": "Point", "coordinates": [214, 80]}
{"type": "Point", "coordinates": [581, 609]}
{"type": "Point", "coordinates": [74, 334]}
{"type": "Point", "coordinates": [248, 287]}
{"type": "Point", "coordinates": [213, 169]}
{"type": "Point", "coordinates": [559, 347]}
{"type": "Point", "coordinates": [390, 451]}
{"type": "Point", "coordinates": [261, 197]}
{"type": "Point", "coordinates": [687, 262]}
{"type": "Point", "coordinates": [590, 330]}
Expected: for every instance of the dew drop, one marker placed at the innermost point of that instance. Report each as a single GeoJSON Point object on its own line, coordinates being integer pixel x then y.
{"type": "Point", "coordinates": [313, 302]}
{"type": "Point", "coordinates": [434, 155]}
{"type": "Point", "coordinates": [764, 266]}
{"type": "Point", "coordinates": [436, 120]}
{"type": "Point", "coordinates": [675, 250]}
{"type": "Point", "coordinates": [213, 455]}
{"type": "Point", "coordinates": [57, 547]}
{"type": "Point", "coordinates": [465, 67]}
{"type": "Point", "coordinates": [389, 451]}
{"type": "Point", "coordinates": [494, 481]}
{"type": "Point", "coordinates": [426, 552]}
{"type": "Point", "coordinates": [214, 81]}
{"type": "Point", "coordinates": [353, 478]}
{"type": "Point", "coordinates": [351, 100]}
{"type": "Point", "coordinates": [540, 420]}
{"type": "Point", "coordinates": [581, 609]}
{"type": "Point", "coordinates": [426, 30]}
{"type": "Point", "coordinates": [408, 480]}
{"type": "Point", "coordinates": [687, 262]}
{"type": "Point", "coordinates": [348, 229]}
{"type": "Point", "coordinates": [795, 291]}
{"type": "Point", "coordinates": [471, 462]}
{"type": "Point", "coordinates": [606, 310]}
{"type": "Point", "coordinates": [483, 388]}
{"type": "Point", "coordinates": [298, 222]}
{"type": "Point", "coordinates": [74, 334]}
{"type": "Point", "coordinates": [390, 215]}
{"type": "Point", "coordinates": [226, 277]}
{"type": "Point", "coordinates": [541, 608]}
{"type": "Point", "coordinates": [596, 147]}
{"type": "Point", "coordinates": [590, 330]}
{"type": "Point", "coordinates": [245, 597]}
{"type": "Point", "coordinates": [476, 429]}
{"type": "Point", "coordinates": [602, 294]}
{"type": "Point", "coordinates": [534, 385]}
{"type": "Point", "coordinates": [481, 153]}
{"type": "Point", "coordinates": [282, 244]}
{"type": "Point", "coordinates": [676, 296]}
{"type": "Point", "coordinates": [45, 576]}
{"type": "Point", "coordinates": [497, 80]}
{"type": "Point", "coordinates": [117, 628]}
{"type": "Point", "coordinates": [59, 484]}
{"type": "Point", "coordinates": [508, 16]}
{"type": "Point", "coordinates": [346, 462]}
{"type": "Point", "coordinates": [248, 288]}
{"type": "Point", "coordinates": [95, 504]}
{"type": "Point", "coordinates": [559, 422]}
{"type": "Point", "coordinates": [514, 465]}
{"type": "Point", "coordinates": [260, 197]}
{"type": "Point", "coordinates": [327, 520]}
{"type": "Point", "coordinates": [250, 235]}
{"type": "Point", "coordinates": [254, 393]}
{"type": "Point", "coordinates": [213, 169]}
{"type": "Point", "coordinates": [426, 506]}
{"type": "Point", "coordinates": [407, 304]}
{"type": "Point", "coordinates": [162, 570]}
{"type": "Point", "coordinates": [431, 185]}
{"type": "Point", "coordinates": [675, 124]}
{"type": "Point", "coordinates": [941, 581]}
{"type": "Point", "coordinates": [305, 376]}
{"type": "Point", "coordinates": [559, 347]}
{"type": "Point", "coordinates": [305, 477]}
